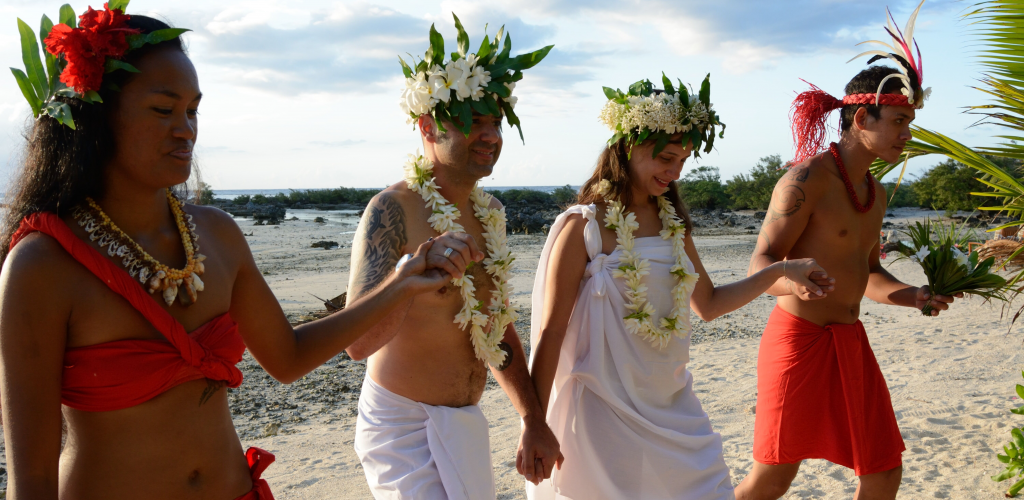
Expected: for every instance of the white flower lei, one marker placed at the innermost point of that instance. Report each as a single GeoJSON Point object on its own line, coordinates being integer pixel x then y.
{"type": "Point", "coordinates": [419, 177]}
{"type": "Point", "coordinates": [640, 321]}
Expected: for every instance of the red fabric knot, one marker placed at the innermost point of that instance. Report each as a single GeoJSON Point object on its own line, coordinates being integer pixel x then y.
{"type": "Point", "coordinates": [218, 368]}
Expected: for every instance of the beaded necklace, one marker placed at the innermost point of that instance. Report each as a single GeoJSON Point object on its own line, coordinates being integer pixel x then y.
{"type": "Point", "coordinates": [183, 284]}
{"type": "Point", "coordinates": [834, 149]}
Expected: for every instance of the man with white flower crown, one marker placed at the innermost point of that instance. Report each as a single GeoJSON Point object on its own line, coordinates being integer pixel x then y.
{"type": "Point", "coordinates": [420, 433]}
{"type": "Point", "coordinates": [820, 391]}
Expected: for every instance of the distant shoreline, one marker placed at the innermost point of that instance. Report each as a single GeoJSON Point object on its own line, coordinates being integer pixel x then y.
{"type": "Point", "coordinates": [230, 194]}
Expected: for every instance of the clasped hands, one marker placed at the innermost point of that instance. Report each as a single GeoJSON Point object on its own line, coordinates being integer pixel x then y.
{"type": "Point", "coordinates": [438, 260]}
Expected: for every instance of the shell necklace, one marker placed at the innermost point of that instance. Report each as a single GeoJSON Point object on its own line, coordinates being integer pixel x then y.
{"type": "Point", "coordinates": [640, 320]}
{"type": "Point", "coordinates": [183, 284]}
{"type": "Point", "coordinates": [419, 177]}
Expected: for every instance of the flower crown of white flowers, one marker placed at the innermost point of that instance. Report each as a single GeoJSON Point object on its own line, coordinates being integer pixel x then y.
{"type": "Point", "coordinates": [468, 83]}
{"type": "Point", "coordinates": [645, 113]}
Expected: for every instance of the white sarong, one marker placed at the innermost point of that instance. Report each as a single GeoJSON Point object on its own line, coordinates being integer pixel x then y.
{"type": "Point", "coordinates": [411, 450]}
{"type": "Point", "coordinates": [624, 412]}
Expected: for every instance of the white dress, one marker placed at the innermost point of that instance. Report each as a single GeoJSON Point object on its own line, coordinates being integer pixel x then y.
{"type": "Point", "coordinates": [624, 412]}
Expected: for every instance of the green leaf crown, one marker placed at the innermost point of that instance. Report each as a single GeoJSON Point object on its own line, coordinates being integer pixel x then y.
{"type": "Point", "coordinates": [468, 83]}
{"type": "Point", "coordinates": [40, 81]}
{"type": "Point", "coordinates": [645, 113]}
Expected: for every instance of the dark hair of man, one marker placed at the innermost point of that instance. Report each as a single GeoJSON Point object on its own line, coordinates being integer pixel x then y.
{"type": "Point", "coordinates": [613, 164]}
{"type": "Point", "coordinates": [63, 166]}
{"type": "Point", "coordinates": [866, 82]}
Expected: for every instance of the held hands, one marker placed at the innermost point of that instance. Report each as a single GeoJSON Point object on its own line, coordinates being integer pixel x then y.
{"type": "Point", "coordinates": [806, 279]}
{"type": "Point", "coordinates": [453, 252]}
{"type": "Point", "coordinates": [429, 269]}
{"type": "Point", "coordinates": [938, 302]}
{"type": "Point", "coordinates": [538, 452]}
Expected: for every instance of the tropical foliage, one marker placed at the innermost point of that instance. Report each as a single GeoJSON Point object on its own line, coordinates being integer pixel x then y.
{"type": "Point", "coordinates": [702, 187]}
{"type": "Point", "coordinates": [1014, 453]}
{"type": "Point", "coordinates": [754, 191]}
{"type": "Point", "coordinates": [949, 270]}
{"type": "Point", "coordinates": [1001, 54]}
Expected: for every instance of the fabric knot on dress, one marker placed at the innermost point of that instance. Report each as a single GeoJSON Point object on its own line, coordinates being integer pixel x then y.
{"type": "Point", "coordinates": [595, 267]}
{"type": "Point", "coordinates": [215, 367]}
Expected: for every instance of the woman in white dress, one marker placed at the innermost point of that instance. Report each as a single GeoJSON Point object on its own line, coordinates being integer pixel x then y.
{"type": "Point", "coordinates": [610, 335]}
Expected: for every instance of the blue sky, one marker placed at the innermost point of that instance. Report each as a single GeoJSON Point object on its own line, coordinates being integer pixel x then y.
{"type": "Point", "coordinates": [304, 94]}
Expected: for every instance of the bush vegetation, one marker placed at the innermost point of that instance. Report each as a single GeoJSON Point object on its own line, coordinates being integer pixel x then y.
{"type": "Point", "coordinates": [946, 186]}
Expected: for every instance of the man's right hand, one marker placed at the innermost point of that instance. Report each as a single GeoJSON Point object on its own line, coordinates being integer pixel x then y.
{"type": "Point", "coordinates": [464, 251]}
{"type": "Point", "coordinates": [807, 280]}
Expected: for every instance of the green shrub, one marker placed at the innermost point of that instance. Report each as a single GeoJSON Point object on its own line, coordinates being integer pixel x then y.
{"type": "Point", "coordinates": [755, 191]}
{"type": "Point", "coordinates": [205, 195]}
{"type": "Point", "coordinates": [905, 195]}
{"type": "Point", "coordinates": [565, 195]}
{"type": "Point", "coordinates": [702, 188]}
{"type": "Point", "coordinates": [948, 186]}
{"type": "Point", "coordinates": [242, 199]}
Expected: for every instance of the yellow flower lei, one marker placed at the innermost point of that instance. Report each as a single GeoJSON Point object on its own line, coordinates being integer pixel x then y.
{"type": "Point", "coordinates": [419, 177]}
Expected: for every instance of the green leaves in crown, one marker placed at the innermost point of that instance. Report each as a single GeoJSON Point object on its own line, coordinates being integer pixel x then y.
{"type": "Point", "coordinates": [701, 134]}
{"type": "Point", "coordinates": [494, 57]}
{"type": "Point", "coordinates": [40, 80]}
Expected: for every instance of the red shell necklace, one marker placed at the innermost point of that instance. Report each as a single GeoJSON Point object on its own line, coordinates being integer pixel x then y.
{"type": "Point", "coordinates": [834, 149]}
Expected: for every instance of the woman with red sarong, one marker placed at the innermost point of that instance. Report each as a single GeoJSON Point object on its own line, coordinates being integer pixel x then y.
{"type": "Point", "coordinates": [93, 227]}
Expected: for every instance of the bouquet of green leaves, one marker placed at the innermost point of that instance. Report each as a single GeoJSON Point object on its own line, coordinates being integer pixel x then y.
{"type": "Point", "coordinates": [1014, 457]}
{"type": "Point", "coordinates": [949, 270]}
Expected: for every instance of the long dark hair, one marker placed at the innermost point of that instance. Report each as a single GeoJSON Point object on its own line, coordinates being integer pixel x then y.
{"type": "Point", "coordinates": [63, 166]}
{"type": "Point", "coordinates": [613, 165]}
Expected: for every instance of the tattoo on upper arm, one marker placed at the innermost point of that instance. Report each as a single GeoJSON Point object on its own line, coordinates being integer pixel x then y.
{"type": "Point", "coordinates": [789, 201]}
{"type": "Point", "coordinates": [799, 174]}
{"type": "Point", "coordinates": [383, 240]}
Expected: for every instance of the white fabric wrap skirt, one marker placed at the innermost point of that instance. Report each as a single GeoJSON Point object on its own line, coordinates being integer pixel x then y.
{"type": "Point", "coordinates": [411, 450]}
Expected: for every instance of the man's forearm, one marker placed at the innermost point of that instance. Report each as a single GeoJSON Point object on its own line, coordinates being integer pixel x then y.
{"type": "Point", "coordinates": [516, 382]}
{"type": "Point", "coordinates": [884, 288]}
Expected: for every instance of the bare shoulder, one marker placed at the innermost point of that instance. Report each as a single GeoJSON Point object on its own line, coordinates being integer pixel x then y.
{"type": "Point", "coordinates": [217, 225]}
{"type": "Point", "coordinates": [395, 194]}
{"type": "Point", "coordinates": [495, 203]}
{"type": "Point", "coordinates": [39, 268]}
{"type": "Point", "coordinates": [575, 224]}
{"type": "Point", "coordinates": [812, 176]}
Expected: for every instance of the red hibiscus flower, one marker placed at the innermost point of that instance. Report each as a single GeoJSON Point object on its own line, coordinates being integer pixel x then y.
{"type": "Point", "coordinates": [106, 30]}
{"type": "Point", "coordinates": [100, 35]}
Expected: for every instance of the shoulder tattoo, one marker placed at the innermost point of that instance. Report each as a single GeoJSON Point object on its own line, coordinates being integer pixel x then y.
{"type": "Point", "coordinates": [799, 174]}
{"type": "Point", "coordinates": [788, 202]}
{"type": "Point", "coordinates": [383, 238]}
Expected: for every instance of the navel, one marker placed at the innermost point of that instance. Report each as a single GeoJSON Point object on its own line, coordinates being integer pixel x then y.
{"type": "Point", "coordinates": [842, 233]}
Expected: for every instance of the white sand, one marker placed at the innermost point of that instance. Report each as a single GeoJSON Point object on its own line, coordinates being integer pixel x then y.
{"type": "Point", "coordinates": [951, 378]}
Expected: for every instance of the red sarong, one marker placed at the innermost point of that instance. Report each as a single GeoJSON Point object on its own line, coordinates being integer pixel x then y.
{"type": "Point", "coordinates": [259, 460]}
{"type": "Point", "coordinates": [820, 394]}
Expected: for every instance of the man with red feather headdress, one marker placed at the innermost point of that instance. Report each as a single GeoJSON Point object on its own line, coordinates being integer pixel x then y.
{"type": "Point", "coordinates": [820, 392]}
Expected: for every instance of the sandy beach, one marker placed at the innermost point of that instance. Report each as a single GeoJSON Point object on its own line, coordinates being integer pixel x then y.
{"type": "Point", "coordinates": [951, 378]}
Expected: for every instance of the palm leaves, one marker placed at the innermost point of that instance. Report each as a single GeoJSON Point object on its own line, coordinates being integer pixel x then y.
{"type": "Point", "coordinates": [1000, 26]}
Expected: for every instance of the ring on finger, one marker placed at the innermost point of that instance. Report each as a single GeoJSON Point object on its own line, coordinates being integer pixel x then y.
{"type": "Point", "coordinates": [448, 252]}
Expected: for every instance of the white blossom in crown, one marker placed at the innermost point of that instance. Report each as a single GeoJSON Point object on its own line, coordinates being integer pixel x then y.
{"type": "Point", "coordinates": [468, 83]}
{"type": "Point", "coordinates": [645, 114]}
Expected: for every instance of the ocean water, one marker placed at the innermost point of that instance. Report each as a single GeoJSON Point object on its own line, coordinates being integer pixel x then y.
{"type": "Point", "coordinates": [230, 194]}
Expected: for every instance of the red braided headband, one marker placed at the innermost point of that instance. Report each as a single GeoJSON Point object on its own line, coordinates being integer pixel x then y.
{"type": "Point", "coordinates": [810, 112]}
